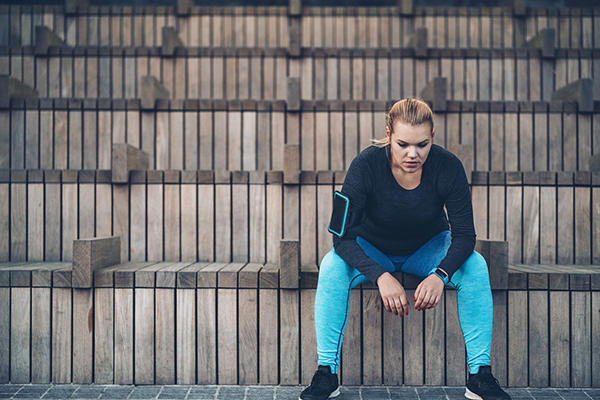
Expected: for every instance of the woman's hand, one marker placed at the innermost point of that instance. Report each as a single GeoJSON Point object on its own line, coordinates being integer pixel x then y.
{"type": "Point", "coordinates": [392, 294]}
{"type": "Point", "coordinates": [428, 292]}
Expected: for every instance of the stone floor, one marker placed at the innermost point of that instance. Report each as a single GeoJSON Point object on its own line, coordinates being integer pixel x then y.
{"type": "Point", "coordinates": [63, 392]}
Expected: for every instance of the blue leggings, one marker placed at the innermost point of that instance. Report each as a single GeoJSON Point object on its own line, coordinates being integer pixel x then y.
{"type": "Point", "coordinates": [471, 281]}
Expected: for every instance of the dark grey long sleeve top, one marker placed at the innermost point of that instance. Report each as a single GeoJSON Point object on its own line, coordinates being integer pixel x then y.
{"type": "Point", "coordinates": [399, 221]}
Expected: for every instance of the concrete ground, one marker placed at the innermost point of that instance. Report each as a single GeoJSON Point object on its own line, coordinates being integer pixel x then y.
{"type": "Point", "coordinates": [114, 392]}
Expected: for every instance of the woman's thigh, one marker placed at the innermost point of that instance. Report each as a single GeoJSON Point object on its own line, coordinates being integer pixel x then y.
{"type": "Point", "coordinates": [427, 258]}
{"type": "Point", "coordinates": [337, 273]}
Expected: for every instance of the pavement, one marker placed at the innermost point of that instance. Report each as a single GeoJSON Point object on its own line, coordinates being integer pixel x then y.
{"type": "Point", "coordinates": [116, 392]}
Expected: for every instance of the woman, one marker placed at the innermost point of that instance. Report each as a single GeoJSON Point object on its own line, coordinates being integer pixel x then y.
{"type": "Point", "coordinates": [393, 219]}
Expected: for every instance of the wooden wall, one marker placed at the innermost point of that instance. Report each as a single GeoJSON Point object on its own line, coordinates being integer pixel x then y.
{"type": "Point", "coordinates": [250, 135]}
{"type": "Point", "coordinates": [221, 323]}
{"type": "Point", "coordinates": [222, 216]}
{"type": "Point", "coordinates": [327, 74]}
{"type": "Point", "coordinates": [379, 27]}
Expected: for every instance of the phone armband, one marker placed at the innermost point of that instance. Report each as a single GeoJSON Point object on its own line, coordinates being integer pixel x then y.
{"type": "Point", "coordinates": [339, 215]}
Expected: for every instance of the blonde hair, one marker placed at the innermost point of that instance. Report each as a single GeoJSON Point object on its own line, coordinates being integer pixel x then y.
{"type": "Point", "coordinates": [412, 110]}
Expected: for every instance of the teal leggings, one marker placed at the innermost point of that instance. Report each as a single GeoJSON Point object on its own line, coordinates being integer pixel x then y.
{"type": "Point", "coordinates": [471, 281]}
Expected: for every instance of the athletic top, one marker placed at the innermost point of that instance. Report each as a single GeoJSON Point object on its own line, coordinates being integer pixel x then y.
{"type": "Point", "coordinates": [398, 221]}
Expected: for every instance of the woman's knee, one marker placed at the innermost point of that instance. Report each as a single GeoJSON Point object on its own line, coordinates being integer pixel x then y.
{"type": "Point", "coordinates": [474, 269]}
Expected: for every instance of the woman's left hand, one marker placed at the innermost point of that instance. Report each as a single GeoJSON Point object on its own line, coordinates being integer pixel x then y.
{"type": "Point", "coordinates": [428, 293]}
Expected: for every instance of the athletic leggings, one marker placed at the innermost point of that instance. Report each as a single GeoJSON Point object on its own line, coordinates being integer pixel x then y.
{"type": "Point", "coordinates": [471, 281]}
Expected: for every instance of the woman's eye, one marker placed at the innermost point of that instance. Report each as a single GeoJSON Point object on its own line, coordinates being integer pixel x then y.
{"type": "Point", "coordinates": [422, 144]}
{"type": "Point", "coordinates": [402, 145]}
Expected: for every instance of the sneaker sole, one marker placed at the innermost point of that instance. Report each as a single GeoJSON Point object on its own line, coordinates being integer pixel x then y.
{"type": "Point", "coordinates": [335, 393]}
{"type": "Point", "coordinates": [472, 396]}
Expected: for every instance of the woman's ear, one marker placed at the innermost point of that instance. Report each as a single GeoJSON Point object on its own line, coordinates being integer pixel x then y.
{"type": "Point", "coordinates": [388, 134]}
{"type": "Point", "coordinates": [432, 133]}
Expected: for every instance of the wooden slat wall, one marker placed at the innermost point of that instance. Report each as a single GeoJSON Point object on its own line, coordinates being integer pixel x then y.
{"type": "Point", "coordinates": [547, 217]}
{"type": "Point", "coordinates": [505, 136]}
{"type": "Point", "coordinates": [377, 27]}
{"type": "Point", "coordinates": [199, 73]}
{"type": "Point", "coordinates": [180, 304]}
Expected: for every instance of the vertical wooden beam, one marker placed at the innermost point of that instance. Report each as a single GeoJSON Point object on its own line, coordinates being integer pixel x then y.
{"type": "Point", "coordinates": [83, 335]}
{"type": "Point", "coordinates": [289, 264]}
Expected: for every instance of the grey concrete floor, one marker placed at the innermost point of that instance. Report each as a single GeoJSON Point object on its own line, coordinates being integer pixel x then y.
{"type": "Point", "coordinates": [114, 392]}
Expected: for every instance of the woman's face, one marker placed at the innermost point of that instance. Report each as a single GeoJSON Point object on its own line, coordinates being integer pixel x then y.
{"type": "Point", "coordinates": [410, 145]}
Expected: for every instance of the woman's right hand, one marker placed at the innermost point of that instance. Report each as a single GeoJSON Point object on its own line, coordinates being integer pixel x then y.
{"type": "Point", "coordinates": [393, 295]}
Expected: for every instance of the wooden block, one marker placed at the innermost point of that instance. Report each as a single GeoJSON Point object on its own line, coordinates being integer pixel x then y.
{"type": "Point", "coordinates": [295, 8]}
{"type": "Point", "coordinates": [227, 349]}
{"type": "Point", "coordinates": [92, 254]}
{"type": "Point", "coordinates": [455, 350]}
{"type": "Point", "coordinates": [45, 38]}
{"type": "Point", "coordinates": [544, 40]}
{"type": "Point", "coordinates": [418, 42]}
{"type": "Point", "coordinates": [151, 91]}
{"type": "Point", "coordinates": [580, 91]}
{"type": "Point", "coordinates": [436, 93]}
{"type": "Point", "coordinates": [268, 337]}
{"type": "Point", "coordinates": [289, 264]}
{"type": "Point", "coordinates": [170, 41]}
{"type": "Point", "coordinates": [248, 277]}
{"type": "Point", "coordinates": [435, 350]}
{"type": "Point", "coordinates": [12, 88]}
{"type": "Point", "coordinates": [125, 158]}
{"type": "Point", "coordinates": [499, 348]}
{"type": "Point", "coordinates": [406, 7]}
{"type": "Point", "coordinates": [184, 7]}
{"type": "Point", "coordinates": [595, 338]}
{"type": "Point", "coordinates": [581, 346]}
{"type": "Point", "coordinates": [144, 339]}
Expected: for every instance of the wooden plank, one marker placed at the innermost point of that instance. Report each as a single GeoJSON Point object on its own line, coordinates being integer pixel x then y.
{"type": "Point", "coordinates": [164, 336]}
{"type": "Point", "coordinates": [595, 338]}
{"type": "Point", "coordinates": [32, 138]}
{"type": "Point", "coordinates": [120, 213]}
{"type": "Point", "coordinates": [60, 139]}
{"type": "Point", "coordinates": [239, 220]}
{"type": "Point", "coordinates": [517, 338]}
{"type": "Point", "coordinates": [104, 345]}
{"type": "Point", "coordinates": [92, 254]}
{"type": "Point", "coordinates": [248, 337]}
{"type": "Point", "coordinates": [499, 359]}
{"type": "Point", "coordinates": [61, 335]}
{"type": "Point", "coordinates": [583, 251]}
{"type": "Point", "coordinates": [20, 329]}
{"type": "Point", "coordinates": [569, 144]}
{"type": "Point", "coordinates": [596, 226]}
{"type": "Point", "coordinates": [257, 220]}
{"type": "Point", "coordinates": [289, 337]}
{"type": "Point", "coordinates": [555, 146]}
{"type": "Point", "coordinates": [18, 214]}
{"type": "Point", "coordinates": [565, 225]}
{"type": "Point", "coordinates": [75, 139]}
{"type": "Point", "coordinates": [172, 229]}
{"type": "Point", "coordinates": [191, 139]}
{"type": "Point", "coordinates": [144, 338]}
{"type": "Point", "coordinates": [268, 355]}
{"type": "Point", "coordinates": [455, 350]}
{"type": "Point", "coordinates": [5, 333]}
{"type": "Point", "coordinates": [155, 227]}
{"type": "Point", "coordinates": [514, 200]}
{"type": "Point", "coordinates": [17, 141]}
{"type": "Point", "coordinates": [40, 335]}
{"type": "Point", "coordinates": [186, 337]}
{"type": "Point", "coordinates": [222, 222]}
{"type": "Point", "coordinates": [540, 142]}
{"type": "Point", "coordinates": [207, 333]}
{"type": "Point", "coordinates": [86, 210]}
{"type": "Point", "coordinates": [435, 351]}
{"type": "Point", "coordinates": [414, 351]}
{"type": "Point", "coordinates": [35, 222]}
{"type": "Point", "coordinates": [175, 140]}
{"type": "Point", "coordinates": [124, 336]}
{"type": "Point", "coordinates": [83, 335]}
{"type": "Point", "coordinates": [308, 355]}
{"type": "Point", "coordinates": [206, 221]}
{"type": "Point", "coordinates": [137, 241]}
{"type": "Point", "coordinates": [581, 341]}
{"type": "Point", "coordinates": [189, 210]}
{"type": "Point", "coordinates": [539, 339]}
{"type": "Point", "coordinates": [526, 151]}
{"type": "Point", "coordinates": [531, 224]}
{"type": "Point", "coordinates": [227, 351]}
{"type": "Point", "coordinates": [560, 355]}
{"type": "Point", "coordinates": [274, 221]}
{"type": "Point", "coordinates": [547, 225]}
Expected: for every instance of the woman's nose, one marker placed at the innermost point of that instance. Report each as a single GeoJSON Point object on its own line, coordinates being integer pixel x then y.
{"type": "Point", "coordinates": [412, 151]}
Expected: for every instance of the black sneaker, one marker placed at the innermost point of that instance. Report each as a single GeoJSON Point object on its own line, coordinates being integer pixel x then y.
{"type": "Point", "coordinates": [324, 385]}
{"type": "Point", "coordinates": [483, 386]}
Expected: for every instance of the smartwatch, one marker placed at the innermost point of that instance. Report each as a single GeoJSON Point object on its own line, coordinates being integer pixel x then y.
{"type": "Point", "coordinates": [442, 275]}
